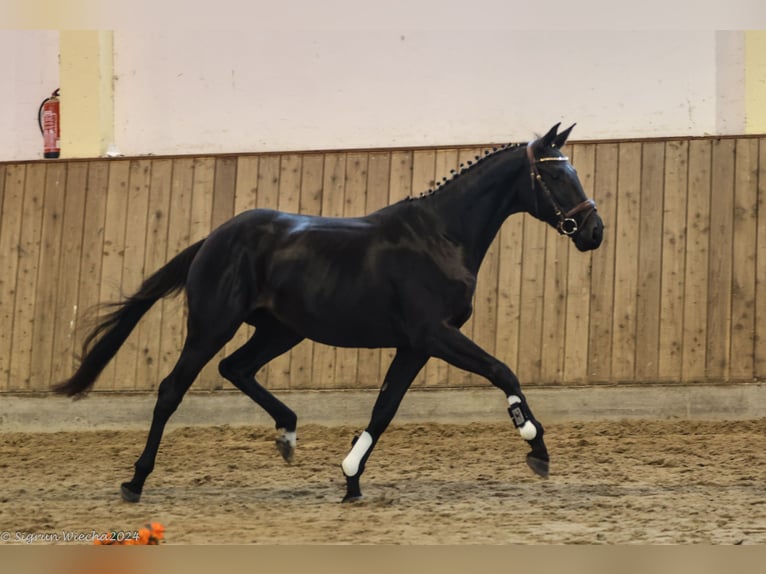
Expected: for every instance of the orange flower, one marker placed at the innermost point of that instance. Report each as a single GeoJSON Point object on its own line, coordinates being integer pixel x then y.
{"type": "Point", "coordinates": [143, 536]}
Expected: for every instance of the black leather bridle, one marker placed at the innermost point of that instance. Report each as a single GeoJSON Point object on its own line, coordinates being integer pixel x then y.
{"type": "Point", "coordinates": [567, 224]}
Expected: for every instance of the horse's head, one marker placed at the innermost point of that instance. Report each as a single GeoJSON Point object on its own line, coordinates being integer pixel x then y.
{"type": "Point", "coordinates": [558, 196]}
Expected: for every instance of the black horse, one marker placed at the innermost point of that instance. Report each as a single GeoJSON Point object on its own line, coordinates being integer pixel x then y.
{"type": "Point", "coordinates": [402, 277]}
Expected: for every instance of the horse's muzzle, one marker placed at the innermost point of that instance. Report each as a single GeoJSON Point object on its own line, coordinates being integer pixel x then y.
{"type": "Point", "coordinates": [591, 234]}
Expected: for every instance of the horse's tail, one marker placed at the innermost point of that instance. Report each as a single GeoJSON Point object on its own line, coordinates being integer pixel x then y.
{"type": "Point", "coordinates": [110, 333]}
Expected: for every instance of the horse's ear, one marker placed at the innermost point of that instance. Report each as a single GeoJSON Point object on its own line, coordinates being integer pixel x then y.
{"type": "Point", "coordinates": [550, 136]}
{"type": "Point", "coordinates": [561, 138]}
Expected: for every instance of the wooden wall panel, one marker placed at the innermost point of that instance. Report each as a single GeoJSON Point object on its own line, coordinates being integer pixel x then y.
{"type": "Point", "coordinates": [626, 262]}
{"type": "Point", "coordinates": [46, 311]}
{"type": "Point", "coordinates": [26, 282]}
{"type": "Point", "coordinates": [649, 262]}
{"type": "Point", "coordinates": [720, 270]}
{"type": "Point", "coordinates": [673, 261]}
{"type": "Point", "coordinates": [697, 261]}
{"type": "Point", "coordinates": [149, 330]}
{"type": "Point", "coordinates": [68, 285]}
{"type": "Point", "coordinates": [133, 272]}
{"type": "Point", "coordinates": [10, 235]}
{"type": "Point", "coordinates": [675, 294]}
{"type": "Point", "coordinates": [760, 273]}
{"type": "Point", "coordinates": [744, 261]}
{"type": "Point", "coordinates": [578, 275]}
{"type": "Point", "coordinates": [602, 273]}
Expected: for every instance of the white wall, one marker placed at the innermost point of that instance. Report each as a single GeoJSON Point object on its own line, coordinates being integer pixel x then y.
{"type": "Point", "coordinates": [29, 72]}
{"type": "Point", "coordinates": [179, 92]}
{"type": "Point", "coordinates": [183, 92]}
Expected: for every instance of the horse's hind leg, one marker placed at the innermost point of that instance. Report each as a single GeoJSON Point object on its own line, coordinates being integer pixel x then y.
{"type": "Point", "coordinates": [200, 346]}
{"type": "Point", "coordinates": [270, 340]}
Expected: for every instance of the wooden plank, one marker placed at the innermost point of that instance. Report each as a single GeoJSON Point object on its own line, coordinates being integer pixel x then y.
{"type": "Point", "coordinates": [150, 328]}
{"type": "Point", "coordinates": [436, 370]}
{"type": "Point", "coordinates": [603, 262]}
{"type": "Point", "coordinates": [626, 262]}
{"type": "Point", "coordinates": [531, 302]}
{"type": "Point", "coordinates": [26, 284]}
{"type": "Point", "coordinates": [113, 248]}
{"type": "Point", "coordinates": [135, 216]}
{"type": "Point", "coordinates": [423, 171]}
{"type": "Point", "coordinates": [225, 188]}
{"type": "Point", "coordinates": [760, 304]}
{"type": "Point", "coordinates": [578, 280]}
{"type": "Point", "coordinates": [10, 234]}
{"type": "Point", "coordinates": [92, 254]}
{"type": "Point", "coordinates": [67, 295]}
{"type": "Point", "coordinates": [673, 262]}
{"type": "Point", "coordinates": [554, 312]}
{"type": "Point", "coordinates": [650, 262]}
{"type": "Point", "coordinates": [354, 204]}
{"type": "Point", "coordinates": [334, 176]}
{"type": "Point", "coordinates": [2, 187]}
{"type": "Point", "coordinates": [48, 275]}
{"type": "Point", "coordinates": [203, 191]}
{"type": "Point", "coordinates": [179, 238]}
{"type": "Point", "coordinates": [268, 182]}
{"type": "Point", "coordinates": [290, 174]}
{"type": "Point", "coordinates": [310, 204]}
{"type": "Point", "coordinates": [92, 243]}
{"type": "Point", "coordinates": [246, 186]}
{"type": "Point", "coordinates": [744, 261]}
{"type": "Point", "coordinates": [697, 256]}
{"type": "Point", "coordinates": [378, 174]}
{"type": "Point", "coordinates": [720, 270]}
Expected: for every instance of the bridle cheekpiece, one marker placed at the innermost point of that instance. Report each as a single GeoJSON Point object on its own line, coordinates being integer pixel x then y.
{"type": "Point", "coordinates": [567, 224]}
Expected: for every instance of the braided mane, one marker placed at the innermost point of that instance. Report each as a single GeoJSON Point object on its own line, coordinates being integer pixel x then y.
{"type": "Point", "coordinates": [464, 168]}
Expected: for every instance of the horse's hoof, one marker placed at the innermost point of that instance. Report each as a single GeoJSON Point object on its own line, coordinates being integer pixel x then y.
{"type": "Point", "coordinates": [128, 495]}
{"type": "Point", "coordinates": [539, 466]}
{"type": "Point", "coordinates": [351, 498]}
{"type": "Point", "coordinates": [285, 448]}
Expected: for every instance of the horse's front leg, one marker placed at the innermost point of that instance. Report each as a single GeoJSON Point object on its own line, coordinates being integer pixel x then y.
{"type": "Point", "coordinates": [403, 370]}
{"type": "Point", "coordinates": [452, 346]}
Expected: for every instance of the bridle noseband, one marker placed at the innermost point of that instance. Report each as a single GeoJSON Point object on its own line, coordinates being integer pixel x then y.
{"type": "Point", "coordinates": [566, 225]}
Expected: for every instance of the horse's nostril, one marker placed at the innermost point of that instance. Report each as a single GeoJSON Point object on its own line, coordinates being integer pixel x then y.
{"type": "Point", "coordinates": [597, 234]}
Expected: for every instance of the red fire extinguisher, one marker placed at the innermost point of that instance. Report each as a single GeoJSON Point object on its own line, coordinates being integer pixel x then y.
{"type": "Point", "coordinates": [49, 120]}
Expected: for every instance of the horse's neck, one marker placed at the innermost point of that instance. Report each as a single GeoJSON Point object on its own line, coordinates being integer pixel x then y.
{"type": "Point", "coordinates": [478, 203]}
